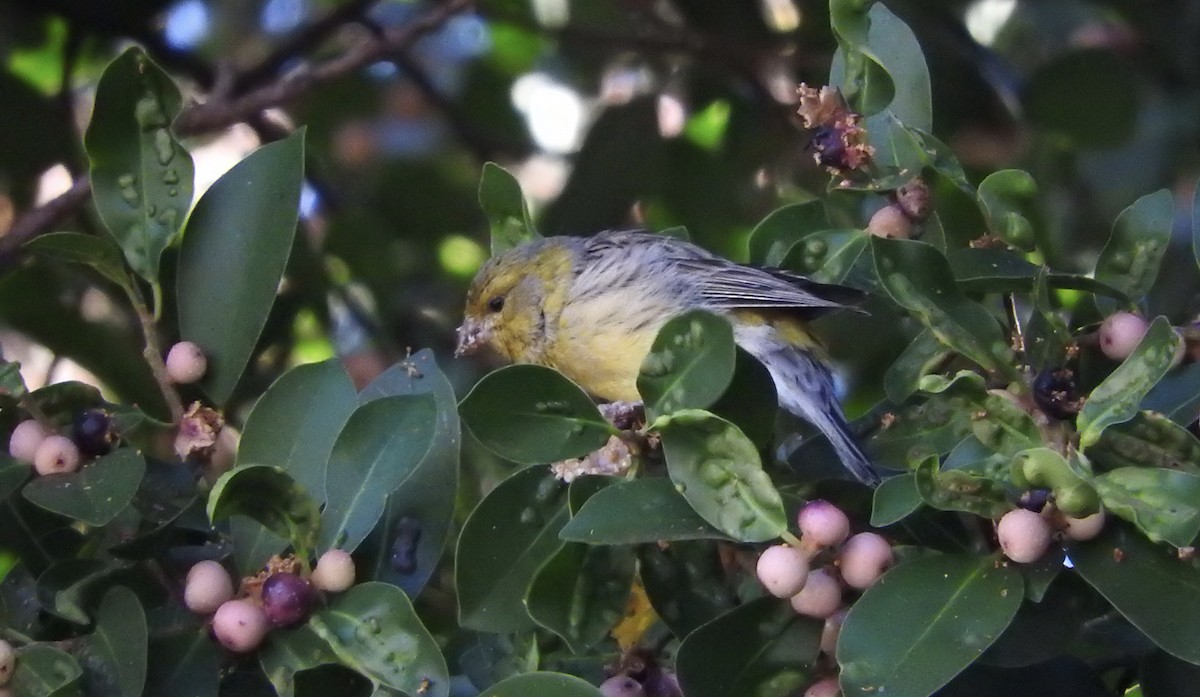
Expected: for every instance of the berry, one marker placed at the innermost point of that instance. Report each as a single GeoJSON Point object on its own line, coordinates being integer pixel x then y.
{"type": "Point", "coordinates": [915, 199]}
{"type": "Point", "coordinates": [25, 439]}
{"type": "Point", "coordinates": [829, 146]}
{"type": "Point", "coordinates": [56, 455]}
{"type": "Point", "coordinates": [186, 362]}
{"type": "Point", "coordinates": [240, 625]}
{"type": "Point", "coordinates": [1120, 333]}
{"type": "Point", "coordinates": [782, 570]}
{"type": "Point", "coordinates": [622, 686]}
{"type": "Point", "coordinates": [1056, 393]}
{"type": "Point", "coordinates": [1087, 528]}
{"type": "Point", "coordinates": [890, 222]}
{"type": "Point", "coordinates": [823, 524]}
{"type": "Point", "coordinates": [1035, 499]}
{"type": "Point", "coordinates": [208, 586]}
{"type": "Point", "coordinates": [831, 631]}
{"type": "Point", "coordinates": [8, 662]}
{"type": "Point", "coordinates": [826, 687]}
{"type": "Point", "coordinates": [864, 558]}
{"type": "Point", "coordinates": [1024, 535]}
{"type": "Point", "coordinates": [287, 599]}
{"type": "Point", "coordinates": [91, 432]}
{"type": "Point", "coordinates": [334, 572]}
{"type": "Point", "coordinates": [820, 597]}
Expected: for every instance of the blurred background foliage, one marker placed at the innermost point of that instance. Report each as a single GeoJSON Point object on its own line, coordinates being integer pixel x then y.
{"type": "Point", "coordinates": [612, 113]}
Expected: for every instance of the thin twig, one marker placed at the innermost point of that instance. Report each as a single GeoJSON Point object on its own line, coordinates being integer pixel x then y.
{"type": "Point", "coordinates": [43, 218]}
{"type": "Point", "coordinates": [153, 353]}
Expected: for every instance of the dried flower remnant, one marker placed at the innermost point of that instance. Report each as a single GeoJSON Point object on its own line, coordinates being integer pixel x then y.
{"type": "Point", "coordinates": [198, 431]}
{"type": "Point", "coordinates": [614, 458]}
{"type": "Point", "coordinates": [839, 143]}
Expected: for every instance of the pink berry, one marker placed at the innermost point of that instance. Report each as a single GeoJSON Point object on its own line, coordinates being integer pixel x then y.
{"type": "Point", "coordinates": [1120, 333]}
{"type": "Point", "coordinates": [820, 597]}
{"type": "Point", "coordinates": [25, 439]}
{"type": "Point", "coordinates": [334, 572]}
{"type": "Point", "coordinates": [864, 558]}
{"type": "Point", "coordinates": [826, 687]}
{"type": "Point", "coordinates": [1086, 528]}
{"type": "Point", "coordinates": [823, 524]}
{"type": "Point", "coordinates": [208, 587]}
{"type": "Point", "coordinates": [783, 570]}
{"type": "Point", "coordinates": [1024, 535]}
{"type": "Point", "coordinates": [831, 631]}
{"type": "Point", "coordinates": [890, 222]}
{"type": "Point", "coordinates": [56, 455]}
{"type": "Point", "coordinates": [186, 363]}
{"type": "Point", "coordinates": [622, 686]}
{"type": "Point", "coordinates": [8, 662]}
{"type": "Point", "coordinates": [240, 625]}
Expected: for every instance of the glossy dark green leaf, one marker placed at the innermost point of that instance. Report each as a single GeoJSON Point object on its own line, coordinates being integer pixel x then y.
{"type": "Point", "coordinates": [374, 630]}
{"type": "Point", "coordinates": [114, 655]}
{"type": "Point", "coordinates": [1163, 675]}
{"type": "Point", "coordinates": [13, 473]}
{"type": "Point", "coordinates": [270, 496]}
{"type": "Point", "coordinates": [45, 671]}
{"type": "Point", "coordinates": [542, 685]}
{"type": "Point", "coordinates": [894, 500]}
{"type": "Point", "coordinates": [1006, 198]}
{"type": "Point", "coordinates": [1087, 97]}
{"type": "Point", "coordinates": [1148, 440]}
{"type": "Point", "coordinates": [530, 415]}
{"type": "Point", "coordinates": [760, 648]}
{"type": "Point", "coordinates": [1046, 336]}
{"type": "Point", "coordinates": [919, 279]}
{"type": "Point", "coordinates": [1163, 504]}
{"type": "Point", "coordinates": [915, 431]}
{"type": "Point", "coordinates": [504, 205]}
{"type": "Point", "coordinates": [918, 359]}
{"type": "Point", "coordinates": [183, 665]}
{"type": "Point", "coordinates": [996, 421]}
{"type": "Point", "coordinates": [783, 227]}
{"type": "Point", "coordinates": [581, 592]}
{"type": "Point", "coordinates": [100, 253]}
{"type": "Point", "coordinates": [956, 490]}
{"type": "Point", "coordinates": [989, 270]}
{"type": "Point", "coordinates": [253, 544]}
{"type": "Point", "coordinates": [686, 583]}
{"type": "Point", "coordinates": [1130, 260]}
{"type": "Point", "coordinates": [689, 365]}
{"type": "Point", "coordinates": [407, 544]}
{"type": "Point", "coordinates": [1148, 584]}
{"type": "Point", "coordinates": [141, 175]}
{"type": "Point", "coordinates": [507, 538]}
{"type": "Point", "coordinates": [374, 455]}
{"type": "Point", "coordinates": [1177, 395]}
{"type": "Point", "coordinates": [287, 652]}
{"type": "Point", "coordinates": [649, 509]}
{"type": "Point", "coordinates": [750, 402]}
{"type": "Point", "coordinates": [96, 493]}
{"type": "Point", "coordinates": [1042, 629]}
{"type": "Point", "coordinates": [1116, 399]}
{"type": "Point", "coordinates": [829, 256]}
{"type": "Point", "coordinates": [718, 470]}
{"type": "Point", "coordinates": [12, 385]}
{"type": "Point", "coordinates": [236, 244]}
{"type": "Point", "coordinates": [940, 613]}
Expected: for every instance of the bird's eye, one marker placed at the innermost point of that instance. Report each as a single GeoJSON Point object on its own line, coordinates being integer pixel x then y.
{"type": "Point", "coordinates": [496, 304]}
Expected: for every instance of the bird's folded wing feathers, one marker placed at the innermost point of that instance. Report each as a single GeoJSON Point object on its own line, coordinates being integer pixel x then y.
{"type": "Point", "coordinates": [727, 285]}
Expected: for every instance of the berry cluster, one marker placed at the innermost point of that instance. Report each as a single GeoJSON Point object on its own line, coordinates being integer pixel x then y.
{"type": "Point", "coordinates": [281, 599]}
{"type": "Point", "coordinates": [91, 436]}
{"type": "Point", "coordinates": [1026, 534]}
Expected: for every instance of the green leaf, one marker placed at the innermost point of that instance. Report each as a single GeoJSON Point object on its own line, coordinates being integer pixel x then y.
{"type": "Point", "coordinates": [1046, 333]}
{"type": "Point", "coordinates": [933, 427]}
{"type": "Point", "coordinates": [996, 421]}
{"type": "Point", "coordinates": [114, 656]}
{"type": "Point", "coordinates": [1164, 504]}
{"type": "Point", "coordinates": [100, 253]}
{"type": "Point", "coordinates": [828, 256]}
{"type": "Point", "coordinates": [750, 402]}
{"type": "Point", "coordinates": [956, 490]}
{"type": "Point", "coordinates": [13, 473]}
{"type": "Point", "coordinates": [1162, 675]}
{"type": "Point", "coordinates": [531, 415]}
{"type": "Point", "coordinates": [988, 270]}
{"type": "Point", "coordinates": [689, 365]}
{"type": "Point", "coordinates": [581, 592]}
{"type": "Point", "coordinates": [270, 496]}
{"type": "Point", "coordinates": [504, 205]}
{"type": "Point", "coordinates": [783, 227]}
{"type": "Point", "coordinates": [375, 454]}
{"type": "Point", "coordinates": [253, 544]}
{"type": "Point", "coordinates": [1177, 395]}
{"type": "Point", "coordinates": [504, 542]}
{"type": "Point", "coordinates": [1087, 97]}
{"type": "Point", "coordinates": [44, 671]}
{"type": "Point", "coordinates": [1130, 260]}
{"type": "Point", "coordinates": [287, 652]}
{"type": "Point", "coordinates": [895, 499]}
{"type": "Point", "coordinates": [925, 621]}
{"type": "Point", "coordinates": [918, 278]}
{"type": "Point", "coordinates": [183, 665]}
{"type": "Point", "coordinates": [686, 583]}
{"type": "Point", "coordinates": [649, 509]}
{"type": "Point", "coordinates": [233, 255]}
{"type": "Point", "coordinates": [918, 359]}
{"type": "Point", "coordinates": [1146, 583]}
{"type": "Point", "coordinates": [141, 175]}
{"type": "Point", "coordinates": [717, 469]}
{"type": "Point", "coordinates": [1116, 399]}
{"type": "Point", "coordinates": [760, 648]}
{"type": "Point", "coordinates": [1006, 200]}
{"type": "Point", "coordinates": [1148, 440]}
{"type": "Point", "coordinates": [374, 630]}
{"type": "Point", "coordinates": [96, 493]}
{"type": "Point", "coordinates": [542, 685]}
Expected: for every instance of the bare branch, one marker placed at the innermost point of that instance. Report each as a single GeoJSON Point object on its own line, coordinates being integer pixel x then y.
{"type": "Point", "coordinates": [43, 218]}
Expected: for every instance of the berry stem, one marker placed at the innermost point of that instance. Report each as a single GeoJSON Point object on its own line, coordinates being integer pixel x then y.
{"type": "Point", "coordinates": [792, 540]}
{"type": "Point", "coordinates": [152, 352]}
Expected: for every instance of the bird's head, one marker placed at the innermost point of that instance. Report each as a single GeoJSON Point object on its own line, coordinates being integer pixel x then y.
{"type": "Point", "coordinates": [514, 297]}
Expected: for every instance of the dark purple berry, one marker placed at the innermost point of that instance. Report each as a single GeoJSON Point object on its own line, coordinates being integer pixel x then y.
{"type": "Point", "coordinates": [827, 142]}
{"type": "Point", "coordinates": [405, 545]}
{"type": "Point", "coordinates": [1034, 499]}
{"type": "Point", "coordinates": [1056, 393]}
{"type": "Point", "coordinates": [92, 433]}
{"type": "Point", "coordinates": [287, 599]}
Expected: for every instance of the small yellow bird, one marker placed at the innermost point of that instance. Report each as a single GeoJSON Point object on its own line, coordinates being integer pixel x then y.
{"type": "Point", "coordinates": [590, 307]}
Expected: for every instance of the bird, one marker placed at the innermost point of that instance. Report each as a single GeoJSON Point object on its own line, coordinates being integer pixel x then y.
{"type": "Point", "coordinates": [591, 307]}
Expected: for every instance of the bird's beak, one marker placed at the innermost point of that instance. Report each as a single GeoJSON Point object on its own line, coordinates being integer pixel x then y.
{"type": "Point", "coordinates": [472, 334]}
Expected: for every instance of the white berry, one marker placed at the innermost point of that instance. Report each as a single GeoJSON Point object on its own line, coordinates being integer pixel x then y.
{"type": "Point", "coordinates": [820, 597]}
{"type": "Point", "coordinates": [823, 524]}
{"type": "Point", "coordinates": [827, 687]}
{"type": "Point", "coordinates": [864, 558]}
{"type": "Point", "coordinates": [208, 587]}
{"type": "Point", "coordinates": [1120, 333]}
{"type": "Point", "coordinates": [1024, 535]}
{"type": "Point", "coordinates": [186, 363]}
{"type": "Point", "coordinates": [334, 571]}
{"type": "Point", "coordinates": [240, 625]}
{"type": "Point", "coordinates": [1086, 528]}
{"type": "Point", "coordinates": [782, 570]}
{"type": "Point", "coordinates": [56, 455]}
{"type": "Point", "coordinates": [25, 439]}
{"type": "Point", "coordinates": [8, 662]}
{"type": "Point", "coordinates": [622, 686]}
{"type": "Point", "coordinates": [831, 631]}
{"type": "Point", "coordinates": [891, 222]}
